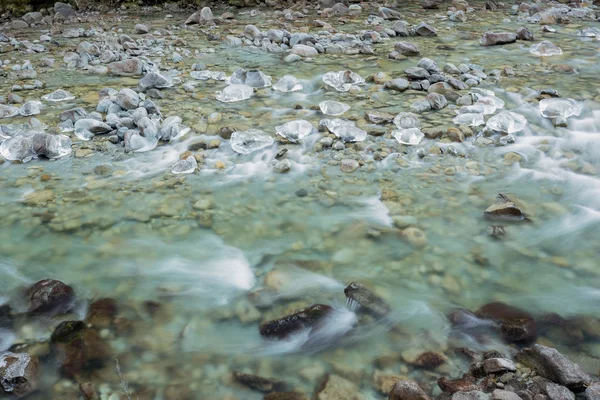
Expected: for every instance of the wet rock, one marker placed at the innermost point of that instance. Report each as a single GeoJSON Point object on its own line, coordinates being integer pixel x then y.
{"type": "Point", "coordinates": [102, 313]}
{"type": "Point", "coordinates": [504, 209]}
{"type": "Point", "coordinates": [50, 296]}
{"type": "Point", "coordinates": [368, 301]}
{"type": "Point", "coordinates": [335, 387]}
{"type": "Point", "coordinates": [557, 392]}
{"type": "Point", "coordinates": [202, 17]}
{"type": "Point", "coordinates": [497, 38]}
{"type": "Point", "coordinates": [437, 101]}
{"type": "Point", "coordinates": [550, 364]}
{"type": "Point", "coordinates": [349, 165]}
{"type": "Point", "coordinates": [259, 383]}
{"type": "Point", "coordinates": [88, 391]}
{"type": "Point", "coordinates": [66, 331]}
{"type": "Point", "coordinates": [517, 326]}
{"type": "Point", "coordinates": [406, 49]}
{"type": "Point", "coordinates": [378, 117]}
{"type": "Point", "coordinates": [416, 73]}
{"type": "Point", "coordinates": [6, 317]}
{"type": "Point", "coordinates": [388, 13]}
{"type": "Point", "coordinates": [18, 374]}
{"type": "Point", "coordinates": [285, 396]}
{"type": "Point", "coordinates": [282, 166]}
{"type": "Point", "coordinates": [424, 29]}
{"type": "Point", "coordinates": [400, 28]}
{"type": "Point", "coordinates": [131, 67]}
{"type": "Point", "coordinates": [80, 351]}
{"type": "Point", "coordinates": [429, 360]}
{"type": "Point", "coordinates": [465, 384]}
{"type": "Point", "coordinates": [524, 34]}
{"type": "Point", "coordinates": [593, 392]}
{"type": "Point", "coordinates": [407, 390]}
{"type": "Point", "coordinates": [285, 326]}
{"type": "Point", "coordinates": [497, 366]}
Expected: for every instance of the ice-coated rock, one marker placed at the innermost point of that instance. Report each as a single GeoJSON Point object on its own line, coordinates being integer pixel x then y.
{"type": "Point", "coordinates": [545, 49]}
{"type": "Point", "coordinates": [31, 145]}
{"type": "Point", "coordinates": [8, 111]}
{"type": "Point", "coordinates": [407, 120]}
{"type": "Point", "coordinates": [173, 129]}
{"type": "Point", "coordinates": [206, 75]}
{"type": "Point", "coordinates": [507, 122]}
{"type": "Point", "coordinates": [349, 133]}
{"type": "Point", "coordinates": [333, 108]}
{"type": "Point", "coordinates": [33, 107]}
{"type": "Point", "coordinates": [92, 125]}
{"type": "Point", "coordinates": [410, 136]}
{"type": "Point", "coordinates": [469, 119]}
{"type": "Point", "coordinates": [18, 374]}
{"type": "Point", "coordinates": [19, 148]}
{"type": "Point", "coordinates": [57, 146]}
{"type": "Point", "coordinates": [490, 104]}
{"type": "Point", "coordinates": [342, 81]}
{"type": "Point", "coordinates": [559, 109]}
{"type": "Point", "coordinates": [253, 78]}
{"type": "Point", "coordinates": [288, 84]}
{"type": "Point", "coordinates": [295, 130]}
{"type": "Point", "coordinates": [58, 95]}
{"type": "Point", "coordinates": [138, 143]}
{"type": "Point", "coordinates": [233, 93]}
{"type": "Point", "coordinates": [246, 142]}
{"type": "Point", "coordinates": [185, 166]}
{"type": "Point", "coordinates": [589, 31]}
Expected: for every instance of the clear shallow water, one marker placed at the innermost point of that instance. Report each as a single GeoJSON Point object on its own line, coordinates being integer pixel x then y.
{"type": "Point", "coordinates": [205, 246]}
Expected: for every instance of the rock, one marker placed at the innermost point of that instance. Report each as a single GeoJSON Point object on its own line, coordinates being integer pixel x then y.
{"type": "Point", "coordinates": [66, 331]}
{"type": "Point", "coordinates": [18, 24]}
{"type": "Point", "coordinates": [428, 360]}
{"type": "Point", "coordinates": [141, 29]}
{"type": "Point", "coordinates": [202, 17]}
{"type": "Point", "coordinates": [388, 13]}
{"type": "Point", "coordinates": [498, 366]}
{"type": "Point", "coordinates": [524, 34]}
{"type": "Point", "coordinates": [131, 67]}
{"type": "Point", "coordinates": [50, 296]}
{"type": "Point", "coordinates": [550, 364]}
{"type": "Point", "coordinates": [473, 395]}
{"type": "Point", "coordinates": [499, 394]}
{"type": "Point", "coordinates": [378, 117]}
{"type": "Point", "coordinates": [18, 374]}
{"type": "Point", "coordinates": [417, 73]}
{"type": "Point", "coordinates": [307, 318]}
{"type": "Point", "coordinates": [398, 84]}
{"type": "Point", "coordinates": [424, 29]}
{"type": "Point", "coordinates": [465, 384]}
{"type": "Point", "coordinates": [64, 10]}
{"type": "Point", "coordinates": [437, 101]}
{"type": "Point", "coordinates": [251, 32]}
{"type": "Point", "coordinates": [92, 125]}
{"type": "Point", "coordinates": [101, 313]}
{"type": "Point", "coordinates": [73, 114]}
{"type": "Point", "coordinates": [259, 383]}
{"type": "Point", "coordinates": [407, 49]}
{"type": "Point", "coordinates": [81, 350]}
{"type": "Point", "coordinates": [335, 387]}
{"type": "Point", "coordinates": [304, 50]}
{"type": "Point", "coordinates": [407, 390]}
{"type": "Point", "coordinates": [153, 80]}
{"type": "Point", "coordinates": [497, 38]}
{"type": "Point", "coordinates": [516, 325]}
{"type": "Point", "coordinates": [33, 17]}
{"type": "Point", "coordinates": [368, 301]}
{"type": "Point", "coordinates": [282, 166]}
{"type": "Point", "coordinates": [127, 99]}
{"type": "Point", "coordinates": [285, 396]}
{"type": "Point", "coordinates": [349, 165]}
{"type": "Point", "coordinates": [593, 392]}
{"type": "Point", "coordinates": [39, 198]}
{"type": "Point", "coordinates": [400, 28]}
{"type": "Point", "coordinates": [557, 392]}
{"type": "Point", "coordinates": [430, 4]}
{"type": "Point", "coordinates": [504, 209]}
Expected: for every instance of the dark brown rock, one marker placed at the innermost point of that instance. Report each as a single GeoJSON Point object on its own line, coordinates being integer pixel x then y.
{"type": "Point", "coordinates": [6, 317]}
{"type": "Point", "coordinates": [259, 383]}
{"type": "Point", "coordinates": [407, 390]}
{"type": "Point", "coordinates": [285, 396]}
{"type": "Point", "coordinates": [504, 209]}
{"type": "Point", "coordinates": [368, 301]}
{"type": "Point", "coordinates": [307, 318]}
{"type": "Point", "coordinates": [429, 360]}
{"type": "Point", "coordinates": [81, 352]}
{"type": "Point", "coordinates": [465, 384]}
{"type": "Point", "coordinates": [50, 296]}
{"type": "Point", "coordinates": [67, 331]}
{"type": "Point", "coordinates": [102, 313]}
{"type": "Point", "coordinates": [516, 325]}
{"type": "Point", "coordinates": [88, 391]}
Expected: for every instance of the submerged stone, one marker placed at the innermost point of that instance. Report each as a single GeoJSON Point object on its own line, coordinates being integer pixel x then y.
{"type": "Point", "coordinates": [410, 136]}
{"type": "Point", "coordinates": [259, 383]}
{"type": "Point", "coordinates": [253, 78]}
{"type": "Point", "coordinates": [545, 49]}
{"type": "Point", "coordinates": [507, 122]}
{"type": "Point", "coordinates": [342, 81]}
{"type": "Point", "coordinates": [516, 325]}
{"type": "Point", "coordinates": [368, 301]}
{"type": "Point", "coordinates": [58, 95]}
{"type": "Point", "coordinates": [50, 296]}
{"type": "Point", "coordinates": [185, 166]}
{"type": "Point", "coordinates": [246, 142]}
{"type": "Point", "coordinates": [308, 318]}
{"type": "Point", "coordinates": [288, 84]}
{"type": "Point", "coordinates": [559, 109]}
{"type": "Point", "coordinates": [295, 130]}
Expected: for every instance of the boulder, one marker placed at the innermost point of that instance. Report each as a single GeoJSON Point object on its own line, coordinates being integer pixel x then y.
{"type": "Point", "coordinates": [407, 390]}
{"type": "Point", "coordinates": [398, 84]}
{"type": "Point", "coordinates": [18, 374]}
{"type": "Point", "coordinates": [127, 99]}
{"type": "Point", "coordinates": [202, 17]}
{"type": "Point", "coordinates": [407, 49]}
{"type": "Point", "coordinates": [550, 364]}
{"type": "Point", "coordinates": [524, 34]}
{"type": "Point", "coordinates": [50, 296]}
{"type": "Point", "coordinates": [33, 17]}
{"type": "Point", "coordinates": [64, 10]}
{"type": "Point", "coordinates": [497, 38]}
{"type": "Point", "coordinates": [153, 80]}
{"type": "Point", "coordinates": [304, 50]}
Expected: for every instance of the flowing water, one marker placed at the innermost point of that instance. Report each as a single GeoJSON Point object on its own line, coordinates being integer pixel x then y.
{"type": "Point", "coordinates": [224, 249]}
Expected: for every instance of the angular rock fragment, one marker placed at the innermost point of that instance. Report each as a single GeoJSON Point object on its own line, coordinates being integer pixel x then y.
{"type": "Point", "coordinates": [308, 318]}
{"type": "Point", "coordinates": [368, 301]}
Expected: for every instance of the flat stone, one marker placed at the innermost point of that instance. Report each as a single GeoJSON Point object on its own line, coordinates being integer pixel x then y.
{"type": "Point", "coordinates": [499, 394]}
{"type": "Point", "coordinates": [407, 49]}
{"type": "Point", "coordinates": [497, 38]}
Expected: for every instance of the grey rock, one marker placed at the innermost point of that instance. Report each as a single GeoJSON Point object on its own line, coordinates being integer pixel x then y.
{"type": "Point", "coordinates": [153, 80]}
{"type": "Point", "coordinates": [401, 28]}
{"type": "Point", "coordinates": [398, 84]}
{"type": "Point", "coordinates": [282, 166]}
{"type": "Point", "coordinates": [388, 13]}
{"type": "Point", "coordinates": [524, 34]}
{"type": "Point", "coordinates": [18, 374]}
{"type": "Point", "coordinates": [498, 365]}
{"type": "Point", "coordinates": [127, 99]}
{"type": "Point", "coordinates": [406, 49]}
{"type": "Point", "coordinates": [429, 65]}
{"type": "Point", "coordinates": [304, 50]}
{"type": "Point", "coordinates": [550, 364]}
{"type": "Point", "coordinates": [558, 392]}
{"type": "Point", "coordinates": [141, 29]}
{"type": "Point", "coordinates": [497, 38]}
{"type": "Point", "coordinates": [73, 114]}
{"type": "Point", "coordinates": [93, 125]}
{"type": "Point", "coordinates": [416, 73]}
{"type": "Point", "coordinates": [424, 29]}
{"type": "Point", "coordinates": [64, 10]}
{"type": "Point", "coordinates": [349, 165]}
{"type": "Point", "coordinates": [593, 391]}
{"type": "Point", "coordinates": [437, 101]}
{"type": "Point", "coordinates": [504, 395]}
{"type": "Point", "coordinates": [33, 17]}
{"type": "Point", "coordinates": [420, 106]}
{"type": "Point", "coordinates": [473, 395]}
{"type": "Point", "coordinates": [202, 17]}
{"type": "Point", "coordinates": [407, 390]}
{"type": "Point", "coordinates": [131, 67]}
